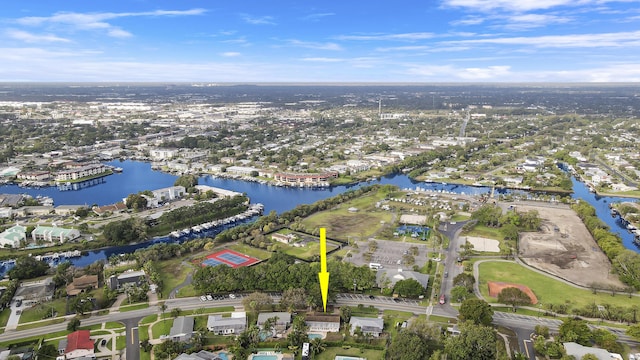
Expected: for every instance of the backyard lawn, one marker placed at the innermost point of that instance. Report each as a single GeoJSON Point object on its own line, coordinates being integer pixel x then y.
{"type": "Point", "coordinates": [331, 352]}
{"type": "Point", "coordinates": [547, 290]}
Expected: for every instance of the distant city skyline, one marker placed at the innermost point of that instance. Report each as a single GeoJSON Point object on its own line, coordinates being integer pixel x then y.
{"type": "Point", "coordinates": [330, 41]}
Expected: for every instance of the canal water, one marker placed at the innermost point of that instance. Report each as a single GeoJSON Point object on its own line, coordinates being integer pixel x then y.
{"type": "Point", "coordinates": [138, 176]}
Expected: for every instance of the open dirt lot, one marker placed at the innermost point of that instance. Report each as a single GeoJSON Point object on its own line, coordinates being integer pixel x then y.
{"type": "Point", "coordinates": [565, 248]}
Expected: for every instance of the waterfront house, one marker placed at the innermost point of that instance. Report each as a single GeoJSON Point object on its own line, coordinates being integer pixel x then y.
{"type": "Point", "coordinates": [35, 292]}
{"type": "Point", "coordinates": [235, 324]}
{"type": "Point", "coordinates": [135, 278]}
{"type": "Point", "coordinates": [371, 326]}
{"type": "Point", "coordinates": [13, 236]}
{"type": "Point", "coordinates": [53, 234]}
{"type": "Point", "coordinates": [82, 283]}
{"type": "Point", "coordinates": [79, 172]}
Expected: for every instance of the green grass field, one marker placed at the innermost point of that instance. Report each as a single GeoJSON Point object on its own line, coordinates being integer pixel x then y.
{"type": "Point", "coordinates": [43, 311]}
{"type": "Point", "coordinates": [485, 232]}
{"type": "Point", "coordinates": [332, 352]}
{"type": "Point", "coordinates": [306, 252]}
{"type": "Point", "coordinates": [113, 325]}
{"type": "Point", "coordinates": [251, 251]}
{"type": "Point", "coordinates": [341, 223]}
{"type": "Point", "coordinates": [548, 290]}
{"type": "Point", "coordinates": [173, 272]}
{"type": "Point", "coordinates": [161, 328]}
{"type": "Point", "coordinates": [133, 307]}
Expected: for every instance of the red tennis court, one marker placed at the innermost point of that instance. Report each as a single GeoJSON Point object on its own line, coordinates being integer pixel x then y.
{"type": "Point", "coordinates": [230, 258]}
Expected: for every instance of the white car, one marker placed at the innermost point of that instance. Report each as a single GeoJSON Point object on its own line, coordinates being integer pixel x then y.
{"type": "Point", "coordinates": [209, 297]}
{"type": "Point", "coordinates": [232, 296]}
{"type": "Point", "coordinates": [203, 298]}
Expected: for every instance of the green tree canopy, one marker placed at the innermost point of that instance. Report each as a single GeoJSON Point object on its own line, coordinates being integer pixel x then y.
{"type": "Point", "coordinates": [27, 267]}
{"type": "Point", "coordinates": [189, 182]}
{"type": "Point", "coordinates": [477, 311]}
{"type": "Point", "coordinates": [514, 297]}
{"type": "Point", "coordinates": [408, 288]}
{"type": "Point", "coordinates": [475, 342]}
{"type": "Point", "coordinates": [575, 330]}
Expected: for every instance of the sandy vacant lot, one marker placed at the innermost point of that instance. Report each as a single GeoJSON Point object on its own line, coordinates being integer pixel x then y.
{"type": "Point", "coordinates": [565, 248]}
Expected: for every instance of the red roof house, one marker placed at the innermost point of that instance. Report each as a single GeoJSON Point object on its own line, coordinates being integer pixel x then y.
{"type": "Point", "coordinates": [79, 345]}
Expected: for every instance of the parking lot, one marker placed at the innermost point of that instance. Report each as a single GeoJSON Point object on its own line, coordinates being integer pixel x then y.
{"type": "Point", "coordinates": [389, 254]}
{"type": "Point", "coordinates": [377, 299]}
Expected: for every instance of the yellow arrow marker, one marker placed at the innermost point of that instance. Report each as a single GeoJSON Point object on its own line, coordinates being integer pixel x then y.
{"type": "Point", "coordinates": [323, 275]}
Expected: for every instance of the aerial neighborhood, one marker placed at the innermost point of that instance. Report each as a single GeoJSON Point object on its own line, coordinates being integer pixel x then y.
{"type": "Point", "coordinates": [184, 223]}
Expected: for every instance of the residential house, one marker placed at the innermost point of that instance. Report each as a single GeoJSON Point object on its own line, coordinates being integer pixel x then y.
{"type": "Point", "coordinates": [284, 238]}
{"type": "Point", "coordinates": [235, 324]}
{"type": "Point", "coordinates": [35, 292]}
{"type": "Point", "coordinates": [67, 209]}
{"type": "Point", "coordinates": [182, 329]}
{"type": "Point", "coordinates": [134, 278]}
{"type": "Point", "coordinates": [53, 234]}
{"type": "Point", "coordinates": [322, 322]}
{"type": "Point", "coordinates": [201, 355]}
{"type": "Point", "coordinates": [242, 170]}
{"type": "Point", "coordinates": [77, 345]}
{"type": "Point", "coordinates": [113, 208]}
{"type": "Point", "coordinates": [82, 283]}
{"type": "Point", "coordinates": [169, 193]}
{"type": "Point", "coordinates": [163, 154]}
{"type": "Point", "coordinates": [13, 236]}
{"type": "Point", "coordinates": [370, 326]}
{"type": "Point", "coordinates": [283, 320]}
{"type": "Point", "coordinates": [578, 351]}
{"type": "Point", "coordinates": [34, 210]}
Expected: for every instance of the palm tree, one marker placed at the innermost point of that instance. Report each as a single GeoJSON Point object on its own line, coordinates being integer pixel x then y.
{"type": "Point", "coordinates": [317, 346]}
{"type": "Point", "coordinates": [163, 308]}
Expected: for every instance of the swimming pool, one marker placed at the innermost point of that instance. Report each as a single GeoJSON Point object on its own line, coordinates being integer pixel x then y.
{"type": "Point", "coordinates": [315, 336]}
{"type": "Point", "coordinates": [222, 356]}
{"type": "Point", "coordinates": [264, 357]}
{"type": "Point", "coordinates": [348, 358]}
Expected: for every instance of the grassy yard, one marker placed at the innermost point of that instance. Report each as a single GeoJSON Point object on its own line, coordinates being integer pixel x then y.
{"type": "Point", "coordinates": [341, 223]}
{"type": "Point", "coordinates": [4, 317]}
{"type": "Point", "coordinates": [332, 352]}
{"type": "Point", "coordinates": [43, 311]}
{"type": "Point", "coordinates": [148, 319]}
{"type": "Point", "coordinates": [143, 332]}
{"type": "Point", "coordinates": [161, 328]}
{"type": "Point", "coordinates": [35, 338]}
{"type": "Point", "coordinates": [113, 325]}
{"type": "Point", "coordinates": [548, 290]}
{"type": "Point", "coordinates": [306, 252]}
{"type": "Point", "coordinates": [392, 318]}
{"type": "Point", "coordinates": [251, 251]}
{"type": "Point", "coordinates": [40, 324]}
{"type": "Point", "coordinates": [173, 272]}
{"type": "Point", "coordinates": [133, 307]}
{"type": "Point", "coordinates": [121, 342]}
{"type": "Point", "coordinates": [485, 232]}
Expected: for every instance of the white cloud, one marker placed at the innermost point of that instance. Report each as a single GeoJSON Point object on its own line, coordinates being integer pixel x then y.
{"type": "Point", "coordinates": [529, 21]}
{"type": "Point", "coordinates": [467, 21]}
{"type": "Point", "coordinates": [404, 48]}
{"type": "Point", "coordinates": [230, 54]}
{"type": "Point", "coordinates": [452, 73]}
{"type": "Point", "coordinates": [34, 38]}
{"type": "Point", "coordinates": [317, 16]}
{"type": "Point", "coordinates": [258, 20]}
{"type": "Point", "coordinates": [314, 45]}
{"type": "Point", "coordinates": [510, 5]}
{"type": "Point", "coordinates": [388, 37]}
{"type": "Point", "coordinates": [98, 21]}
{"type": "Point", "coordinates": [619, 39]}
{"type": "Point", "coordinates": [322, 59]}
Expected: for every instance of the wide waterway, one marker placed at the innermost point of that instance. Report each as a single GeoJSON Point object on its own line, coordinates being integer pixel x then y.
{"type": "Point", "coordinates": [138, 176]}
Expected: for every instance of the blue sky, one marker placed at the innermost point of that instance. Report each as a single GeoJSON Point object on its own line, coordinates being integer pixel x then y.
{"type": "Point", "coordinates": [321, 41]}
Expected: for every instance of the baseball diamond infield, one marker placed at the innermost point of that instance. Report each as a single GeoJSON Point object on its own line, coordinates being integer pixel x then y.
{"type": "Point", "coordinates": [495, 287]}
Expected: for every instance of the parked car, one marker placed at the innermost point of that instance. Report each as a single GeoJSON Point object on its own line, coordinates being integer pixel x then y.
{"type": "Point", "coordinates": [443, 300]}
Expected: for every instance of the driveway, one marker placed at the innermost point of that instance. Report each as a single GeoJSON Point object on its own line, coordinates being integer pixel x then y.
{"type": "Point", "coordinates": [14, 317]}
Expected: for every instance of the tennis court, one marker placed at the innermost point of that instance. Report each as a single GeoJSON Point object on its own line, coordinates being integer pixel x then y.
{"type": "Point", "coordinates": [230, 258]}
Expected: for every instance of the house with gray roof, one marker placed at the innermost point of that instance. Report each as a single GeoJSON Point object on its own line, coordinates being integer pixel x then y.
{"type": "Point", "coordinates": [35, 292]}
{"type": "Point", "coordinates": [389, 277]}
{"type": "Point", "coordinates": [235, 324]}
{"type": "Point", "coordinates": [283, 320]}
{"type": "Point", "coordinates": [182, 328]}
{"type": "Point", "coordinates": [578, 351]}
{"type": "Point", "coordinates": [53, 234]}
{"type": "Point", "coordinates": [372, 326]}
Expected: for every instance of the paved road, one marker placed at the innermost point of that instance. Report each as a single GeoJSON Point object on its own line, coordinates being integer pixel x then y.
{"type": "Point", "coordinates": [133, 338]}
